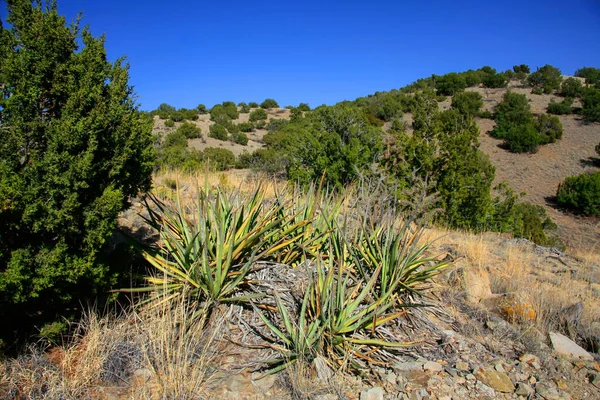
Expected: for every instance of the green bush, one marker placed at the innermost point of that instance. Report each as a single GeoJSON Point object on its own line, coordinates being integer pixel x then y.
{"type": "Point", "coordinates": [246, 127]}
{"type": "Point", "coordinates": [224, 112]}
{"type": "Point", "coordinates": [514, 109]}
{"type": "Point", "coordinates": [562, 108]}
{"type": "Point", "coordinates": [531, 222]}
{"type": "Point", "coordinates": [176, 138]}
{"type": "Point", "coordinates": [169, 123]}
{"type": "Point", "coordinates": [277, 123]}
{"type": "Point", "coordinates": [74, 151]}
{"type": "Point", "coordinates": [486, 114]}
{"type": "Point", "coordinates": [523, 138]}
{"type": "Point", "coordinates": [258, 115]}
{"type": "Point", "coordinates": [260, 124]}
{"type": "Point", "coordinates": [201, 109]}
{"type": "Point", "coordinates": [221, 159]}
{"type": "Point", "coordinates": [218, 131]}
{"type": "Point", "coordinates": [303, 107]}
{"type": "Point", "coordinates": [244, 108]}
{"type": "Point", "coordinates": [547, 78]}
{"type": "Point", "coordinates": [189, 130]}
{"type": "Point", "coordinates": [591, 75]}
{"type": "Point", "coordinates": [494, 80]}
{"type": "Point", "coordinates": [467, 103]}
{"type": "Point", "coordinates": [591, 105]}
{"type": "Point", "coordinates": [549, 127]}
{"type": "Point", "coordinates": [523, 68]}
{"type": "Point", "coordinates": [581, 194]}
{"type": "Point", "coordinates": [240, 138]}
{"type": "Point", "coordinates": [268, 104]}
{"type": "Point", "coordinates": [253, 104]}
{"type": "Point", "coordinates": [537, 91]}
{"type": "Point", "coordinates": [449, 84]}
{"type": "Point", "coordinates": [571, 87]}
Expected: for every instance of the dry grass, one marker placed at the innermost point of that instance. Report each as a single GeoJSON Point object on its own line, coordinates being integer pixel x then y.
{"type": "Point", "coordinates": [154, 353]}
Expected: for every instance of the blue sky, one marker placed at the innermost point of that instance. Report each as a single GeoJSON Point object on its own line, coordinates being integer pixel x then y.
{"type": "Point", "coordinates": [189, 52]}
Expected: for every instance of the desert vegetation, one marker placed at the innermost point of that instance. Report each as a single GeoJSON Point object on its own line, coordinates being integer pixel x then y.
{"type": "Point", "coordinates": [350, 245]}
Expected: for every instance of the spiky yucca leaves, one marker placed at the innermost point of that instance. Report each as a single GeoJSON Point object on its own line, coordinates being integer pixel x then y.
{"type": "Point", "coordinates": [395, 248]}
{"type": "Point", "coordinates": [208, 246]}
{"type": "Point", "coordinates": [337, 318]}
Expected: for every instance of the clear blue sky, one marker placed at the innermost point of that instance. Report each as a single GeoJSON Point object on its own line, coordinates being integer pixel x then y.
{"type": "Point", "coordinates": [190, 52]}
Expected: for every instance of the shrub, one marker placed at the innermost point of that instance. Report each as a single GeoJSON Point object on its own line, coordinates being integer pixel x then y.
{"type": "Point", "coordinates": [531, 222]}
{"type": "Point", "coordinates": [218, 131]}
{"type": "Point", "coordinates": [201, 109]}
{"type": "Point", "coordinates": [175, 139]}
{"type": "Point", "coordinates": [253, 104]}
{"type": "Point", "coordinates": [571, 87]}
{"type": "Point", "coordinates": [523, 68]}
{"type": "Point", "coordinates": [549, 127]}
{"type": "Point", "coordinates": [486, 114]}
{"type": "Point", "coordinates": [548, 78]}
{"type": "Point", "coordinates": [260, 124]}
{"type": "Point", "coordinates": [169, 123]}
{"type": "Point", "coordinates": [244, 108]}
{"type": "Point", "coordinates": [74, 151]}
{"type": "Point", "coordinates": [190, 130]}
{"type": "Point", "coordinates": [494, 80]}
{"type": "Point", "coordinates": [591, 75]}
{"type": "Point", "coordinates": [277, 123]}
{"type": "Point", "coordinates": [449, 84]}
{"type": "Point", "coordinates": [240, 138]}
{"type": "Point", "coordinates": [303, 107]}
{"type": "Point", "coordinates": [537, 91]}
{"type": "Point", "coordinates": [523, 138]}
{"type": "Point", "coordinates": [581, 193]}
{"type": "Point", "coordinates": [468, 103]}
{"type": "Point", "coordinates": [268, 104]}
{"type": "Point", "coordinates": [221, 159]}
{"type": "Point", "coordinates": [562, 108]}
{"type": "Point", "coordinates": [514, 109]}
{"type": "Point", "coordinates": [472, 78]}
{"type": "Point", "coordinates": [246, 127]}
{"type": "Point", "coordinates": [591, 105]}
{"type": "Point", "coordinates": [224, 112]}
{"type": "Point", "coordinates": [257, 115]}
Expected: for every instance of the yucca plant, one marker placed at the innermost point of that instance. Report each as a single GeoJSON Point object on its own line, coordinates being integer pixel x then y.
{"type": "Point", "coordinates": [337, 318]}
{"type": "Point", "coordinates": [209, 245]}
{"type": "Point", "coordinates": [394, 246]}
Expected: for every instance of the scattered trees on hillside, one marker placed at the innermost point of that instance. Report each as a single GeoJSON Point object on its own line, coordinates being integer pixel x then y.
{"type": "Point", "coordinates": [547, 78]}
{"type": "Point", "coordinates": [74, 151]}
{"type": "Point", "coordinates": [591, 75]}
{"type": "Point", "coordinates": [521, 131]}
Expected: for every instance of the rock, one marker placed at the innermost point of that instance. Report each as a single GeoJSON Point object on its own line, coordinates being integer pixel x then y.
{"type": "Point", "coordinates": [407, 366]}
{"type": "Point", "coordinates": [497, 380]}
{"type": "Point", "coordinates": [326, 397]}
{"type": "Point", "coordinates": [486, 390]}
{"type": "Point", "coordinates": [432, 366]}
{"type": "Point", "coordinates": [499, 367]}
{"type": "Point", "coordinates": [324, 373]}
{"type": "Point", "coordinates": [462, 366]}
{"type": "Point", "coordinates": [142, 375]}
{"type": "Point", "coordinates": [566, 347]}
{"type": "Point", "coordinates": [264, 384]}
{"type": "Point", "coordinates": [524, 389]}
{"type": "Point", "coordinates": [375, 393]}
{"type": "Point", "coordinates": [531, 359]}
{"type": "Point", "coordinates": [549, 392]}
{"type": "Point", "coordinates": [392, 378]}
{"type": "Point", "coordinates": [562, 385]}
{"type": "Point", "coordinates": [595, 380]}
{"type": "Point", "coordinates": [237, 383]}
{"type": "Point", "coordinates": [477, 284]}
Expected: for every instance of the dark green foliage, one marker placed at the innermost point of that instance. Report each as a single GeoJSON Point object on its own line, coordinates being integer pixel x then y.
{"type": "Point", "coordinates": [597, 148]}
{"type": "Point", "coordinates": [581, 194]}
{"type": "Point", "coordinates": [539, 91]}
{"type": "Point", "coordinates": [189, 130]}
{"type": "Point", "coordinates": [472, 78]}
{"type": "Point", "coordinates": [223, 113]}
{"type": "Point", "coordinates": [246, 127]}
{"type": "Point", "coordinates": [221, 159]}
{"type": "Point", "coordinates": [514, 109]}
{"type": "Point", "coordinates": [258, 115]}
{"type": "Point", "coordinates": [494, 80]}
{"type": "Point", "coordinates": [591, 75]}
{"type": "Point", "coordinates": [522, 138]}
{"type": "Point", "coordinates": [531, 222]}
{"type": "Point", "coordinates": [486, 114]}
{"type": "Point", "coordinates": [260, 124]}
{"type": "Point", "coordinates": [169, 123]}
{"type": "Point", "coordinates": [175, 153]}
{"type": "Point", "coordinates": [201, 109]}
{"type": "Point", "coordinates": [562, 108]}
{"type": "Point", "coordinates": [449, 84]}
{"type": "Point", "coordinates": [253, 104]}
{"type": "Point", "coordinates": [547, 78]}
{"type": "Point", "coordinates": [218, 131]}
{"type": "Point", "coordinates": [165, 111]}
{"type": "Point", "coordinates": [523, 68]}
{"type": "Point", "coordinates": [268, 104]}
{"type": "Point", "coordinates": [303, 107]}
{"type": "Point", "coordinates": [175, 139]}
{"type": "Point", "coordinates": [244, 108]}
{"type": "Point", "coordinates": [277, 123]}
{"type": "Point", "coordinates": [240, 138]}
{"type": "Point", "coordinates": [591, 105]}
{"type": "Point", "coordinates": [73, 151]}
{"type": "Point", "coordinates": [571, 87]}
{"type": "Point", "coordinates": [549, 127]}
{"type": "Point", "coordinates": [467, 103]}
{"type": "Point", "coordinates": [443, 151]}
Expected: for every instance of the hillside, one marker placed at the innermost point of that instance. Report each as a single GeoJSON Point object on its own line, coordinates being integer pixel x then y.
{"type": "Point", "coordinates": [535, 175]}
